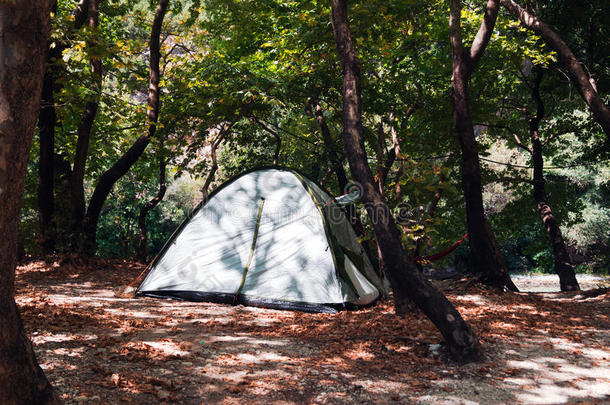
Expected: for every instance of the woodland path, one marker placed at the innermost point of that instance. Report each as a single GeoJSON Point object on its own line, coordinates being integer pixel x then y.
{"type": "Point", "coordinates": [97, 347]}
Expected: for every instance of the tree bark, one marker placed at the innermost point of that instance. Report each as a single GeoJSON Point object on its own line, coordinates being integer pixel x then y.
{"type": "Point", "coordinates": [80, 13]}
{"type": "Point", "coordinates": [331, 149]}
{"type": "Point", "coordinates": [46, 130]}
{"type": "Point", "coordinates": [401, 165]}
{"type": "Point", "coordinates": [379, 158]}
{"type": "Point", "coordinates": [563, 262]}
{"type": "Point", "coordinates": [122, 166]}
{"type": "Point", "coordinates": [578, 76]}
{"type": "Point", "coordinates": [77, 188]}
{"type": "Point", "coordinates": [338, 169]}
{"type": "Point", "coordinates": [484, 257]}
{"type": "Point", "coordinates": [404, 276]}
{"type": "Point", "coordinates": [24, 30]}
{"type": "Point", "coordinates": [205, 190]}
{"type": "Point", "coordinates": [46, 170]}
{"type": "Point", "coordinates": [149, 206]}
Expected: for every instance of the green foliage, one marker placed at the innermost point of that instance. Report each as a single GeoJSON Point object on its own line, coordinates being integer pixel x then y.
{"type": "Point", "coordinates": [243, 63]}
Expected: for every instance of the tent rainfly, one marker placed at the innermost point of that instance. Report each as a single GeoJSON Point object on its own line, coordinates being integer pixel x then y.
{"type": "Point", "coordinates": [269, 237]}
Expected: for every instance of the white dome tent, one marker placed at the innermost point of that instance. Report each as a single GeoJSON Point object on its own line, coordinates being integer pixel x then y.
{"type": "Point", "coordinates": [269, 237]}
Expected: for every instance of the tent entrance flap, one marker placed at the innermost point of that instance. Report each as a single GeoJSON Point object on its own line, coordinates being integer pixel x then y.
{"type": "Point", "coordinates": [252, 248]}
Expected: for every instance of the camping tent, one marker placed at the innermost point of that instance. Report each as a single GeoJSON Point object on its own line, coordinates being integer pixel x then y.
{"type": "Point", "coordinates": [269, 237]}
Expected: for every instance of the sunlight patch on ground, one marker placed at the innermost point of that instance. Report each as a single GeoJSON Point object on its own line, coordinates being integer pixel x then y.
{"type": "Point", "coordinates": [220, 372]}
{"type": "Point", "coordinates": [60, 337]}
{"type": "Point", "coordinates": [550, 282]}
{"type": "Point", "coordinates": [474, 298]}
{"type": "Point", "coordinates": [359, 354]}
{"type": "Point", "coordinates": [75, 352]}
{"type": "Point", "coordinates": [448, 400]}
{"type": "Point", "coordinates": [167, 348]}
{"type": "Point", "coordinates": [382, 386]}
{"type": "Point", "coordinates": [559, 381]}
{"type": "Point", "coordinates": [259, 357]}
{"type": "Point", "coordinates": [503, 325]}
{"type": "Point", "coordinates": [133, 314]}
{"type": "Point", "coordinates": [87, 299]}
{"type": "Point", "coordinates": [248, 340]}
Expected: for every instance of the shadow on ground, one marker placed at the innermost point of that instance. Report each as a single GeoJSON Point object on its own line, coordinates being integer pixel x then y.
{"type": "Point", "coordinates": [99, 348]}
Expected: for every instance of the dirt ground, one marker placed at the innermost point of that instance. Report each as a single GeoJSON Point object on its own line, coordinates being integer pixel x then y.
{"type": "Point", "coordinates": [96, 347]}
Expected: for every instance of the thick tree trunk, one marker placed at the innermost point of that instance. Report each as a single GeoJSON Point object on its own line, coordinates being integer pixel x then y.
{"type": "Point", "coordinates": [46, 172]}
{"type": "Point", "coordinates": [563, 263]}
{"type": "Point", "coordinates": [578, 75]}
{"type": "Point", "coordinates": [46, 128]}
{"type": "Point", "coordinates": [404, 276]}
{"type": "Point", "coordinates": [77, 188]}
{"type": "Point", "coordinates": [24, 29]}
{"type": "Point", "coordinates": [122, 166]}
{"type": "Point", "coordinates": [149, 206]}
{"type": "Point", "coordinates": [484, 257]}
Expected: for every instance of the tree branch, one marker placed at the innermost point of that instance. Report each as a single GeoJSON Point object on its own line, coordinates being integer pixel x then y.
{"type": "Point", "coordinates": [126, 161]}
{"type": "Point", "coordinates": [520, 144]}
{"type": "Point", "coordinates": [485, 32]}
{"type": "Point", "coordinates": [278, 139]}
{"type": "Point", "coordinates": [577, 74]}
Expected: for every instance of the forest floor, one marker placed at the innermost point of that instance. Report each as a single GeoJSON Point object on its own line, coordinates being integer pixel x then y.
{"type": "Point", "coordinates": [96, 346]}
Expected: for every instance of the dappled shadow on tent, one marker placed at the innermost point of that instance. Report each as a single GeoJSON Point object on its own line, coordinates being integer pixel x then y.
{"type": "Point", "coordinates": [262, 237]}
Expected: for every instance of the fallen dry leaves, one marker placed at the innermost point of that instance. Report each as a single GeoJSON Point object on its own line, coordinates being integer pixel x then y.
{"type": "Point", "coordinates": [97, 347]}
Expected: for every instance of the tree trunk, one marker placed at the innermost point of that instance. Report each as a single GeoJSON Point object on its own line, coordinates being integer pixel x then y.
{"type": "Point", "coordinates": [337, 165]}
{"type": "Point", "coordinates": [563, 263]}
{"type": "Point", "coordinates": [223, 130]}
{"type": "Point", "coordinates": [205, 190]}
{"type": "Point", "coordinates": [24, 29]}
{"type": "Point", "coordinates": [484, 256]}
{"type": "Point", "coordinates": [122, 166]}
{"type": "Point", "coordinates": [46, 129]}
{"type": "Point", "coordinates": [150, 205]}
{"type": "Point", "coordinates": [331, 148]}
{"type": "Point", "coordinates": [404, 277]}
{"type": "Point", "coordinates": [80, 13]}
{"type": "Point", "coordinates": [401, 165]}
{"type": "Point", "coordinates": [77, 188]}
{"type": "Point", "coordinates": [578, 76]}
{"type": "Point", "coordinates": [46, 171]}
